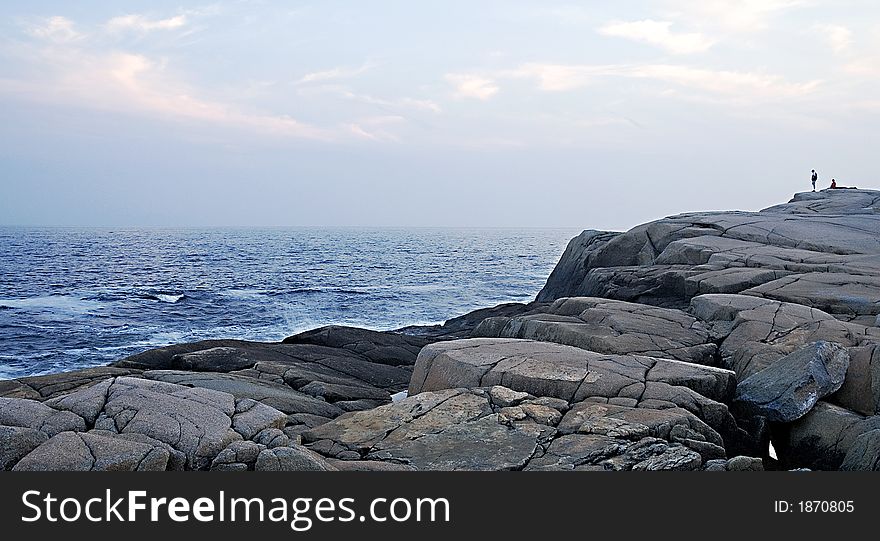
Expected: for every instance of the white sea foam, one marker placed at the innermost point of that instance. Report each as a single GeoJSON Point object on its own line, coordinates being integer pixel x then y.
{"type": "Point", "coordinates": [53, 303]}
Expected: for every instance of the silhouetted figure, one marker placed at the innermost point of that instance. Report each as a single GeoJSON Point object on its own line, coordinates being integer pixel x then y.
{"type": "Point", "coordinates": [833, 184]}
{"type": "Point", "coordinates": [814, 178]}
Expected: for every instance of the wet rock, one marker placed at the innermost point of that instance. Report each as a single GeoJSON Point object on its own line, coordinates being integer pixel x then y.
{"type": "Point", "coordinates": [791, 386]}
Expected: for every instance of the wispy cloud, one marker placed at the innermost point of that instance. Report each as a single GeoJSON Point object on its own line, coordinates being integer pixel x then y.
{"type": "Point", "coordinates": [739, 86]}
{"type": "Point", "coordinates": [57, 29]}
{"type": "Point", "coordinates": [472, 86]}
{"type": "Point", "coordinates": [741, 16]}
{"type": "Point", "coordinates": [838, 37]}
{"type": "Point", "coordinates": [143, 24]}
{"type": "Point", "coordinates": [136, 84]}
{"type": "Point", "coordinates": [342, 72]}
{"type": "Point", "coordinates": [561, 77]}
{"type": "Point", "coordinates": [659, 34]}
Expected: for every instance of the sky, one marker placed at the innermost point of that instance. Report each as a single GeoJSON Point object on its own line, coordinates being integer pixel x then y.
{"type": "Point", "coordinates": [593, 115]}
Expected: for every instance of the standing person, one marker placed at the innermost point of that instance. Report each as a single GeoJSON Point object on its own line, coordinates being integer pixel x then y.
{"type": "Point", "coordinates": [814, 178]}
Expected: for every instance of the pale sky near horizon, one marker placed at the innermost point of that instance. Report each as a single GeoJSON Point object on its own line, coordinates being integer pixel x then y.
{"type": "Point", "coordinates": [455, 113]}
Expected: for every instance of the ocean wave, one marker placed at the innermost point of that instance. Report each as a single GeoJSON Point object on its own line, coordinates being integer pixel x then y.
{"type": "Point", "coordinates": [164, 297]}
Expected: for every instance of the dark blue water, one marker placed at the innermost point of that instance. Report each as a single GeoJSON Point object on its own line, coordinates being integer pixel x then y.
{"type": "Point", "coordinates": [72, 298]}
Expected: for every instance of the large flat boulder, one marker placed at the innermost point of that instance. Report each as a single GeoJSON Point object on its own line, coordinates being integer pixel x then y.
{"type": "Point", "coordinates": [575, 375]}
{"type": "Point", "coordinates": [498, 428]}
{"type": "Point", "coordinates": [572, 374]}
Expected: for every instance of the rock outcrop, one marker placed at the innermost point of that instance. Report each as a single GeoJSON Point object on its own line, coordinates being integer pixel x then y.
{"type": "Point", "coordinates": [689, 343]}
{"type": "Point", "coordinates": [788, 252]}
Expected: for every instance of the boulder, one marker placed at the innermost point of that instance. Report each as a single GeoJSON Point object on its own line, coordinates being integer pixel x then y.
{"type": "Point", "coordinates": [864, 453]}
{"type": "Point", "coordinates": [83, 451]}
{"type": "Point", "coordinates": [846, 296]}
{"type": "Point", "coordinates": [252, 417]}
{"type": "Point", "coordinates": [16, 442]}
{"type": "Point", "coordinates": [821, 439]}
{"type": "Point", "coordinates": [277, 395]}
{"type": "Point", "coordinates": [86, 402]}
{"type": "Point", "coordinates": [378, 347]}
{"type": "Point", "coordinates": [293, 458]}
{"type": "Point", "coordinates": [38, 416]}
{"type": "Point", "coordinates": [194, 421]}
{"type": "Point", "coordinates": [790, 387]}
{"type": "Point", "coordinates": [606, 326]}
{"type": "Point", "coordinates": [861, 387]}
{"type": "Point", "coordinates": [755, 333]}
{"type": "Point", "coordinates": [217, 359]}
{"type": "Point", "coordinates": [597, 453]}
{"type": "Point", "coordinates": [447, 430]}
{"type": "Point", "coordinates": [673, 424]}
{"type": "Point", "coordinates": [237, 456]}
{"type": "Point", "coordinates": [573, 374]}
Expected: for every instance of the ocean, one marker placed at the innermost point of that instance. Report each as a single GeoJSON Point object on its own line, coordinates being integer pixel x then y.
{"type": "Point", "coordinates": [79, 297]}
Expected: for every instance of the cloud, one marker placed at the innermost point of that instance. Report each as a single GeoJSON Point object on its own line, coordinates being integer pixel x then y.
{"type": "Point", "coordinates": [143, 24]}
{"type": "Point", "coordinates": [135, 84]}
{"type": "Point", "coordinates": [838, 37]}
{"type": "Point", "coordinates": [56, 29]}
{"type": "Point", "coordinates": [372, 128]}
{"type": "Point", "coordinates": [734, 85]}
{"type": "Point", "coordinates": [658, 33]}
{"type": "Point", "coordinates": [561, 77]}
{"type": "Point", "coordinates": [472, 86]}
{"type": "Point", "coordinates": [733, 15]}
{"type": "Point", "coordinates": [332, 74]}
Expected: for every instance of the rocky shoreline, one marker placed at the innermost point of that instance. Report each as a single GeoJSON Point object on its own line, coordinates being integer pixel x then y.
{"type": "Point", "coordinates": [695, 342]}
